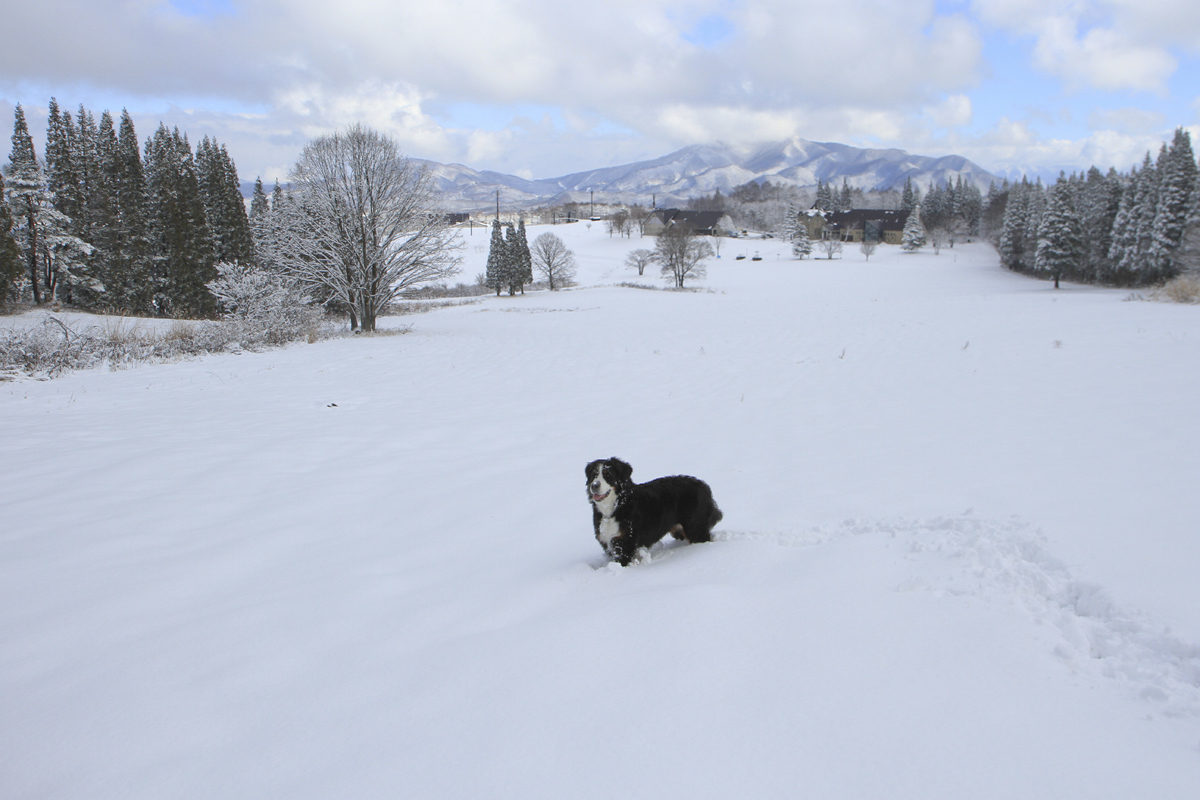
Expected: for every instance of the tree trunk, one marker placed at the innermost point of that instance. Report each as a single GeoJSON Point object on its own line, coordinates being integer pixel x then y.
{"type": "Point", "coordinates": [33, 245]}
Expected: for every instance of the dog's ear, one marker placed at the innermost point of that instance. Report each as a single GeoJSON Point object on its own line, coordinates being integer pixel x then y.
{"type": "Point", "coordinates": [591, 468]}
{"type": "Point", "coordinates": [623, 470]}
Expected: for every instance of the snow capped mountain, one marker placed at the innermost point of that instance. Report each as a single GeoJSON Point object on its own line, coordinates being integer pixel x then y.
{"type": "Point", "coordinates": [701, 169]}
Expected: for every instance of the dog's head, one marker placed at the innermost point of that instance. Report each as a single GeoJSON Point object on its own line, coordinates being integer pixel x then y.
{"type": "Point", "coordinates": [607, 478]}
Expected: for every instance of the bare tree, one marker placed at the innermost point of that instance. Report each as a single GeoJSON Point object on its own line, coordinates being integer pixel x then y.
{"type": "Point", "coordinates": [553, 260]}
{"type": "Point", "coordinates": [937, 237]}
{"type": "Point", "coordinates": [830, 246]}
{"type": "Point", "coordinates": [364, 224]}
{"type": "Point", "coordinates": [639, 259]}
{"type": "Point", "coordinates": [681, 254]}
{"type": "Point", "coordinates": [868, 248]}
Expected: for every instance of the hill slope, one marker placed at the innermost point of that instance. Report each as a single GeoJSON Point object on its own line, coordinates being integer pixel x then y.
{"type": "Point", "coordinates": [365, 568]}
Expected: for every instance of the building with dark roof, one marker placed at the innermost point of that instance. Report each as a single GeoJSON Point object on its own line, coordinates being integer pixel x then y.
{"type": "Point", "coordinates": [709, 223]}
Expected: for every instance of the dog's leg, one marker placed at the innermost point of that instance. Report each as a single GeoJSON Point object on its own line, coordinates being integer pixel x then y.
{"type": "Point", "coordinates": [677, 532]}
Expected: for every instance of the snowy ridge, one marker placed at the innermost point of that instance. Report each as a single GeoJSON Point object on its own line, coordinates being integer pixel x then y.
{"type": "Point", "coordinates": [702, 169]}
{"type": "Point", "coordinates": [1007, 563]}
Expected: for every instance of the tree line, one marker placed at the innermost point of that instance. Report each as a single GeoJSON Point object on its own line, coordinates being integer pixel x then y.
{"type": "Point", "coordinates": [107, 223]}
{"type": "Point", "coordinates": [1119, 229]}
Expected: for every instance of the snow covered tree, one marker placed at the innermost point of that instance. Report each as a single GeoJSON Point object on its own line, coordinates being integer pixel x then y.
{"type": "Point", "coordinates": [496, 276]}
{"type": "Point", "coordinates": [908, 199]}
{"type": "Point", "coordinates": [365, 224]}
{"type": "Point", "coordinates": [802, 246]}
{"type": "Point", "coordinates": [183, 242]}
{"type": "Point", "coordinates": [1060, 242]}
{"type": "Point", "coordinates": [1012, 244]}
{"type": "Point", "coordinates": [10, 253]}
{"type": "Point", "coordinates": [1097, 205]}
{"type": "Point", "coordinates": [259, 204]}
{"type": "Point", "coordinates": [681, 254]}
{"type": "Point", "coordinates": [130, 279]}
{"type": "Point", "coordinates": [512, 260]}
{"type": "Point", "coordinates": [522, 260]}
{"type": "Point", "coordinates": [277, 196]}
{"type": "Point", "coordinates": [1177, 182]}
{"type": "Point", "coordinates": [224, 208]}
{"type": "Point", "coordinates": [30, 200]}
{"type": "Point", "coordinates": [845, 201]}
{"type": "Point", "coordinates": [913, 237]}
{"type": "Point", "coordinates": [639, 259]}
{"type": "Point", "coordinates": [553, 260]}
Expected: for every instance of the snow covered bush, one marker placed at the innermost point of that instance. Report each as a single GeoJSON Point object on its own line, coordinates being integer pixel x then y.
{"type": "Point", "coordinates": [264, 306]}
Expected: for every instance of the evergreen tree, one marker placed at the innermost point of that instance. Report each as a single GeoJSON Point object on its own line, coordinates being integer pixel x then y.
{"type": "Point", "coordinates": [131, 276]}
{"type": "Point", "coordinates": [512, 259]}
{"type": "Point", "coordinates": [30, 200]}
{"type": "Point", "coordinates": [913, 237]}
{"type": "Point", "coordinates": [182, 241]}
{"type": "Point", "coordinates": [496, 276]}
{"type": "Point", "coordinates": [845, 201]}
{"type": "Point", "coordinates": [1060, 244]}
{"type": "Point", "coordinates": [1122, 253]}
{"type": "Point", "coordinates": [224, 208]}
{"type": "Point", "coordinates": [907, 202]}
{"type": "Point", "coordinates": [10, 253]}
{"type": "Point", "coordinates": [259, 204]}
{"type": "Point", "coordinates": [824, 200]}
{"type": "Point", "coordinates": [523, 259]}
{"type": "Point", "coordinates": [1012, 236]}
{"type": "Point", "coordinates": [1177, 182]}
{"type": "Point", "coordinates": [277, 196]}
{"type": "Point", "coordinates": [1098, 204]}
{"type": "Point", "coordinates": [801, 245]}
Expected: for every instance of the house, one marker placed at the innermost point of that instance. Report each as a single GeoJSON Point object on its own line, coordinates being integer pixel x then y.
{"type": "Point", "coordinates": [709, 223]}
{"type": "Point", "coordinates": [856, 225]}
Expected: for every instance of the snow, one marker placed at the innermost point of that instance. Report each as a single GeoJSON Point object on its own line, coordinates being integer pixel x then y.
{"type": "Point", "coordinates": [958, 556]}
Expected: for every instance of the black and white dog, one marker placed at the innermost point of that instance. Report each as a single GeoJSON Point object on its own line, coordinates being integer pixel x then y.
{"type": "Point", "coordinates": [630, 516]}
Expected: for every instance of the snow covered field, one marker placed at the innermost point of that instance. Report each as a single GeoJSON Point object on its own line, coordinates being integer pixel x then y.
{"type": "Point", "coordinates": [959, 556]}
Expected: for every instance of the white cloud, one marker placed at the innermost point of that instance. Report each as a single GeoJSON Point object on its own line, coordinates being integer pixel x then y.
{"type": "Point", "coordinates": [1101, 44]}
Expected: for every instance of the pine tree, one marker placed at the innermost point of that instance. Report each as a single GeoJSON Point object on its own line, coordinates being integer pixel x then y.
{"type": "Point", "coordinates": [1099, 203]}
{"type": "Point", "coordinates": [496, 277]}
{"type": "Point", "coordinates": [802, 245]}
{"type": "Point", "coordinates": [824, 197]}
{"type": "Point", "coordinates": [1177, 182]}
{"type": "Point", "coordinates": [224, 208]}
{"type": "Point", "coordinates": [277, 196]}
{"type": "Point", "coordinates": [132, 284]}
{"type": "Point", "coordinates": [1060, 243]}
{"type": "Point", "coordinates": [1122, 253]}
{"type": "Point", "coordinates": [29, 198]}
{"type": "Point", "coordinates": [911, 196]}
{"type": "Point", "coordinates": [913, 238]}
{"type": "Point", "coordinates": [10, 253]}
{"type": "Point", "coordinates": [845, 201]}
{"type": "Point", "coordinates": [512, 259]}
{"type": "Point", "coordinates": [183, 242]}
{"type": "Point", "coordinates": [523, 259]}
{"type": "Point", "coordinates": [259, 204]}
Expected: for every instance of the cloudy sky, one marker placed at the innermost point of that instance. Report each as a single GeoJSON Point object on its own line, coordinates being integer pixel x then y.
{"type": "Point", "coordinates": [542, 88]}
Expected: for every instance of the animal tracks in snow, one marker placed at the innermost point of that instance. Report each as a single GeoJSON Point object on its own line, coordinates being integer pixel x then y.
{"type": "Point", "coordinates": [1008, 563]}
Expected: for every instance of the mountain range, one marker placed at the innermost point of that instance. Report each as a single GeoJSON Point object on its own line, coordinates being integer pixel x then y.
{"type": "Point", "coordinates": [701, 169]}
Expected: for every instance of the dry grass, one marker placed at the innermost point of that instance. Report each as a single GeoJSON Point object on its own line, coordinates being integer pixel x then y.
{"type": "Point", "coordinates": [1184, 289]}
{"type": "Point", "coordinates": [53, 347]}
